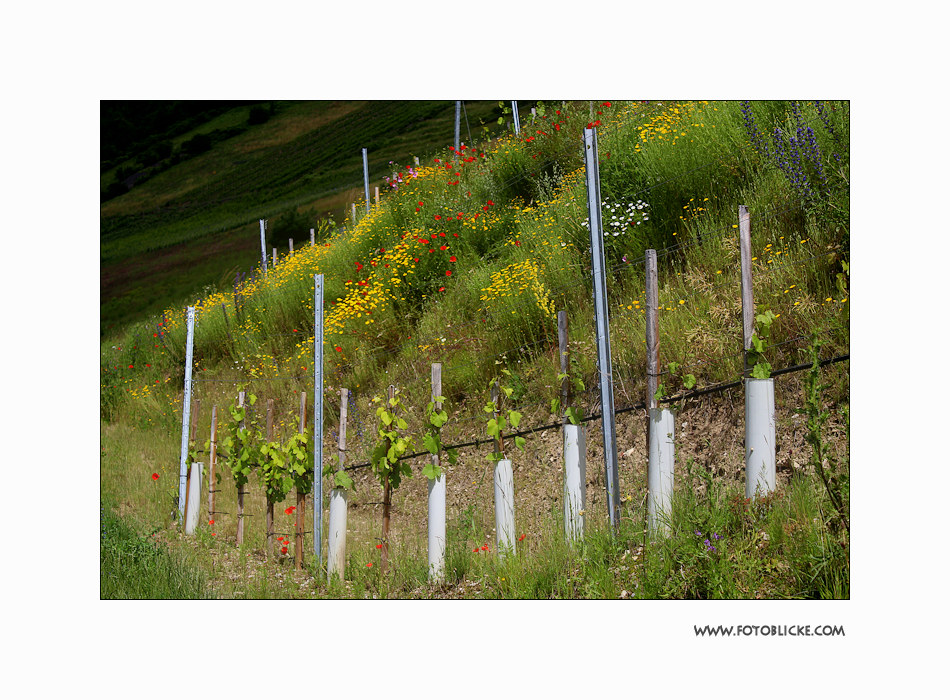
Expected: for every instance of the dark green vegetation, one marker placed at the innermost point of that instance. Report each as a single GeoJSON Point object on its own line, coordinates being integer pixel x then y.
{"type": "Point", "coordinates": [184, 183]}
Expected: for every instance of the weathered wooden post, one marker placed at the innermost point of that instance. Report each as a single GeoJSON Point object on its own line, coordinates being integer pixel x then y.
{"type": "Point", "coordinates": [301, 497]}
{"type": "Point", "coordinates": [240, 493]}
{"type": "Point", "coordinates": [575, 445]}
{"type": "Point", "coordinates": [269, 546]}
{"type": "Point", "coordinates": [336, 553]}
{"type": "Point", "coordinates": [504, 490]}
{"type": "Point", "coordinates": [660, 427]}
{"type": "Point", "coordinates": [213, 461]}
{"type": "Point", "coordinates": [759, 393]}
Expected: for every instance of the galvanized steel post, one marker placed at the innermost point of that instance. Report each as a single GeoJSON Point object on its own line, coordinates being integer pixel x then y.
{"type": "Point", "coordinates": [514, 111]}
{"type": "Point", "coordinates": [602, 321]}
{"type": "Point", "coordinates": [318, 419]}
{"type": "Point", "coordinates": [366, 178]}
{"type": "Point", "coordinates": [186, 412]}
{"type": "Point", "coordinates": [458, 124]}
{"type": "Point", "coordinates": [263, 246]}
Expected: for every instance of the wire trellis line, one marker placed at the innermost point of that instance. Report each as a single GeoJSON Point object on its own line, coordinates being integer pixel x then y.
{"type": "Point", "coordinates": [635, 407]}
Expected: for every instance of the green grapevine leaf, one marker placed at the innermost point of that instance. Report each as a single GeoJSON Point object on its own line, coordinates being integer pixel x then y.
{"type": "Point", "coordinates": [431, 443]}
{"type": "Point", "coordinates": [574, 415]}
{"type": "Point", "coordinates": [343, 480]}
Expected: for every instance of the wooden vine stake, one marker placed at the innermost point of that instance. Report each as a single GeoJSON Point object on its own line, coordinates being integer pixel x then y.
{"type": "Point", "coordinates": [269, 548]}
{"type": "Point", "coordinates": [301, 497]}
{"type": "Point", "coordinates": [387, 499]}
{"type": "Point", "coordinates": [575, 445]}
{"type": "Point", "coordinates": [212, 461]}
{"type": "Point", "coordinates": [504, 488]}
{"type": "Point", "coordinates": [660, 425]}
{"type": "Point", "coordinates": [745, 267]}
{"type": "Point", "coordinates": [240, 493]}
{"type": "Point", "coordinates": [336, 536]}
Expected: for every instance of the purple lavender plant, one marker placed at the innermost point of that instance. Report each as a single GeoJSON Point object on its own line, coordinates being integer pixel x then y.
{"type": "Point", "coordinates": [798, 156]}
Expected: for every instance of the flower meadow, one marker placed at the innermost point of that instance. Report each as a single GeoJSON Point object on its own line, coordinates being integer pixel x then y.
{"type": "Point", "coordinates": [469, 256]}
{"type": "Point", "coordinates": [487, 243]}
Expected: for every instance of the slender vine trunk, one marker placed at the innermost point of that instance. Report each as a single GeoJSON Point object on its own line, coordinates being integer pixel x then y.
{"type": "Point", "coordinates": [269, 549]}
{"type": "Point", "coordinates": [240, 517]}
{"type": "Point", "coordinates": [298, 531]}
{"type": "Point", "coordinates": [387, 497]}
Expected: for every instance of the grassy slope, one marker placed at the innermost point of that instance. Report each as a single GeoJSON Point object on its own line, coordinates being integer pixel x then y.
{"type": "Point", "coordinates": [693, 188]}
{"type": "Point", "coordinates": [195, 224]}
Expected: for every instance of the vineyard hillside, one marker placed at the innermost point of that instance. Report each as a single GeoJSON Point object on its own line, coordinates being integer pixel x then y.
{"type": "Point", "coordinates": [475, 265]}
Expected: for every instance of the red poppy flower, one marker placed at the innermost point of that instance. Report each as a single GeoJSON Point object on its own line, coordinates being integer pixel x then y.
{"type": "Point", "coordinates": [491, 203]}
{"type": "Point", "coordinates": [443, 247]}
{"type": "Point", "coordinates": [442, 234]}
{"type": "Point", "coordinates": [475, 550]}
{"type": "Point", "coordinates": [130, 366]}
{"type": "Point", "coordinates": [437, 217]}
{"type": "Point", "coordinates": [359, 266]}
{"type": "Point", "coordinates": [441, 289]}
{"type": "Point", "coordinates": [283, 550]}
{"type": "Point", "coordinates": [484, 547]}
{"type": "Point", "coordinates": [452, 259]}
{"type": "Point", "coordinates": [420, 204]}
{"type": "Point", "coordinates": [521, 538]}
{"type": "Point", "coordinates": [379, 546]}
{"type": "Point", "coordinates": [369, 565]}
{"type": "Point", "coordinates": [448, 273]}
{"type": "Point", "coordinates": [338, 349]}
{"type": "Point", "coordinates": [211, 522]}
{"type": "Point", "coordinates": [290, 510]}
{"type": "Point", "coordinates": [605, 104]}
{"type": "Point", "coordinates": [154, 477]}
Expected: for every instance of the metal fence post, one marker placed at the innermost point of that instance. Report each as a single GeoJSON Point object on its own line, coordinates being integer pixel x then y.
{"type": "Point", "coordinates": [602, 321]}
{"type": "Point", "coordinates": [318, 419]}
{"type": "Point", "coordinates": [514, 111]}
{"type": "Point", "coordinates": [186, 412]}
{"type": "Point", "coordinates": [458, 124]}
{"type": "Point", "coordinates": [263, 246]}
{"type": "Point", "coordinates": [366, 178]}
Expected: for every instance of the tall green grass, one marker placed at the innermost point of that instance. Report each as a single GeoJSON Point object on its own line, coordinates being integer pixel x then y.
{"type": "Point", "coordinates": [138, 566]}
